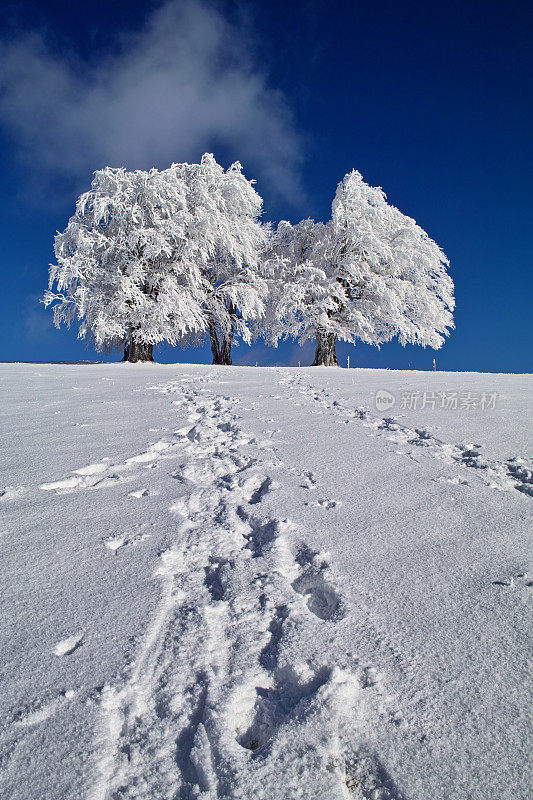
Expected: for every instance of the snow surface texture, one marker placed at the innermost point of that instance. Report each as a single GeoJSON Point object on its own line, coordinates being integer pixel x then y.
{"type": "Point", "coordinates": [249, 583]}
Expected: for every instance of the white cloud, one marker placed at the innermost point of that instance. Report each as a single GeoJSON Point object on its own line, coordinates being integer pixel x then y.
{"type": "Point", "coordinates": [182, 85]}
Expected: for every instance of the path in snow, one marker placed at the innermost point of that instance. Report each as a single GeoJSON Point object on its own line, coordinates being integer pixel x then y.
{"type": "Point", "coordinates": [514, 473]}
{"type": "Point", "coordinates": [260, 672]}
{"type": "Point", "coordinates": [210, 709]}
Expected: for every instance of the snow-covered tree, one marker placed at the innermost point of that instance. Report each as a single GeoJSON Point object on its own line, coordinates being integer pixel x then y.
{"type": "Point", "coordinates": [125, 267]}
{"type": "Point", "coordinates": [161, 256]}
{"type": "Point", "coordinates": [228, 209]}
{"type": "Point", "coordinates": [300, 285]}
{"type": "Point", "coordinates": [369, 274]}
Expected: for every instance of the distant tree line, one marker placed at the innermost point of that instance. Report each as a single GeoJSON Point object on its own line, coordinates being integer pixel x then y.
{"type": "Point", "coordinates": [181, 254]}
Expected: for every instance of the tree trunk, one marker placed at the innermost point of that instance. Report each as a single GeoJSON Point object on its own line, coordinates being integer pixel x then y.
{"type": "Point", "coordinates": [325, 355]}
{"type": "Point", "coordinates": [135, 351]}
{"type": "Point", "coordinates": [221, 352]}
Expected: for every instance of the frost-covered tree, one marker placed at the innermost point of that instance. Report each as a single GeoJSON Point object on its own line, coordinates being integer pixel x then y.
{"type": "Point", "coordinates": [161, 256]}
{"type": "Point", "coordinates": [231, 263]}
{"type": "Point", "coordinates": [299, 282]}
{"type": "Point", "coordinates": [369, 274]}
{"type": "Point", "coordinates": [125, 263]}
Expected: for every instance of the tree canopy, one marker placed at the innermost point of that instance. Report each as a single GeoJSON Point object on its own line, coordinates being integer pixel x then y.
{"type": "Point", "coordinates": [160, 255]}
{"type": "Point", "coordinates": [177, 254]}
{"type": "Point", "coordinates": [370, 274]}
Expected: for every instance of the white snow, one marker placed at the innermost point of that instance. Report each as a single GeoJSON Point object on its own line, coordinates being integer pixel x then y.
{"type": "Point", "coordinates": [161, 255]}
{"type": "Point", "coordinates": [68, 645]}
{"type": "Point", "coordinates": [370, 274]}
{"type": "Point", "coordinates": [250, 583]}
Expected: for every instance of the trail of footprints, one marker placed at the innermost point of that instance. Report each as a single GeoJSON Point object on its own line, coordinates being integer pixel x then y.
{"type": "Point", "coordinates": [514, 473]}
{"type": "Point", "coordinates": [213, 708]}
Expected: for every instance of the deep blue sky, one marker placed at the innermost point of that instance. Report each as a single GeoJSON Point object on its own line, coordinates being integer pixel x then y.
{"type": "Point", "coordinates": [431, 101]}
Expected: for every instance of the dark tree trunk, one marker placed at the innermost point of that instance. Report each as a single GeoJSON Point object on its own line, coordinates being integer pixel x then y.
{"type": "Point", "coordinates": [221, 351]}
{"type": "Point", "coordinates": [325, 355]}
{"type": "Point", "coordinates": [137, 351]}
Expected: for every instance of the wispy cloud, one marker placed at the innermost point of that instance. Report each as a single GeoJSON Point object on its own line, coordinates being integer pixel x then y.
{"type": "Point", "coordinates": [185, 83]}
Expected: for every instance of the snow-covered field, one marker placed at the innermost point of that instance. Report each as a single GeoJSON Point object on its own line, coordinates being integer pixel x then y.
{"type": "Point", "coordinates": [251, 583]}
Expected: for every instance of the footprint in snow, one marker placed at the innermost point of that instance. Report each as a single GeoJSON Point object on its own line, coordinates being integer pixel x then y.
{"type": "Point", "coordinates": [216, 577]}
{"type": "Point", "coordinates": [522, 473]}
{"type": "Point", "coordinates": [290, 693]}
{"type": "Point", "coordinates": [115, 543]}
{"type": "Point", "coordinates": [322, 598]}
{"type": "Point", "coordinates": [369, 677]}
{"type": "Point", "coordinates": [454, 479]}
{"type": "Point", "coordinates": [270, 652]}
{"type": "Point", "coordinates": [519, 579]}
{"type": "Point", "coordinates": [138, 493]}
{"type": "Point", "coordinates": [257, 487]}
{"type": "Point", "coordinates": [471, 457]}
{"type": "Point", "coordinates": [261, 535]}
{"type": "Point", "coordinates": [67, 646]}
{"type": "Point", "coordinates": [325, 503]}
{"type": "Point", "coordinates": [309, 480]}
{"type": "Point", "coordinates": [366, 777]}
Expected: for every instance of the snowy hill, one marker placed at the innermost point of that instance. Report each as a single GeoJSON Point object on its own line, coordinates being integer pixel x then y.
{"type": "Point", "coordinates": [264, 584]}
